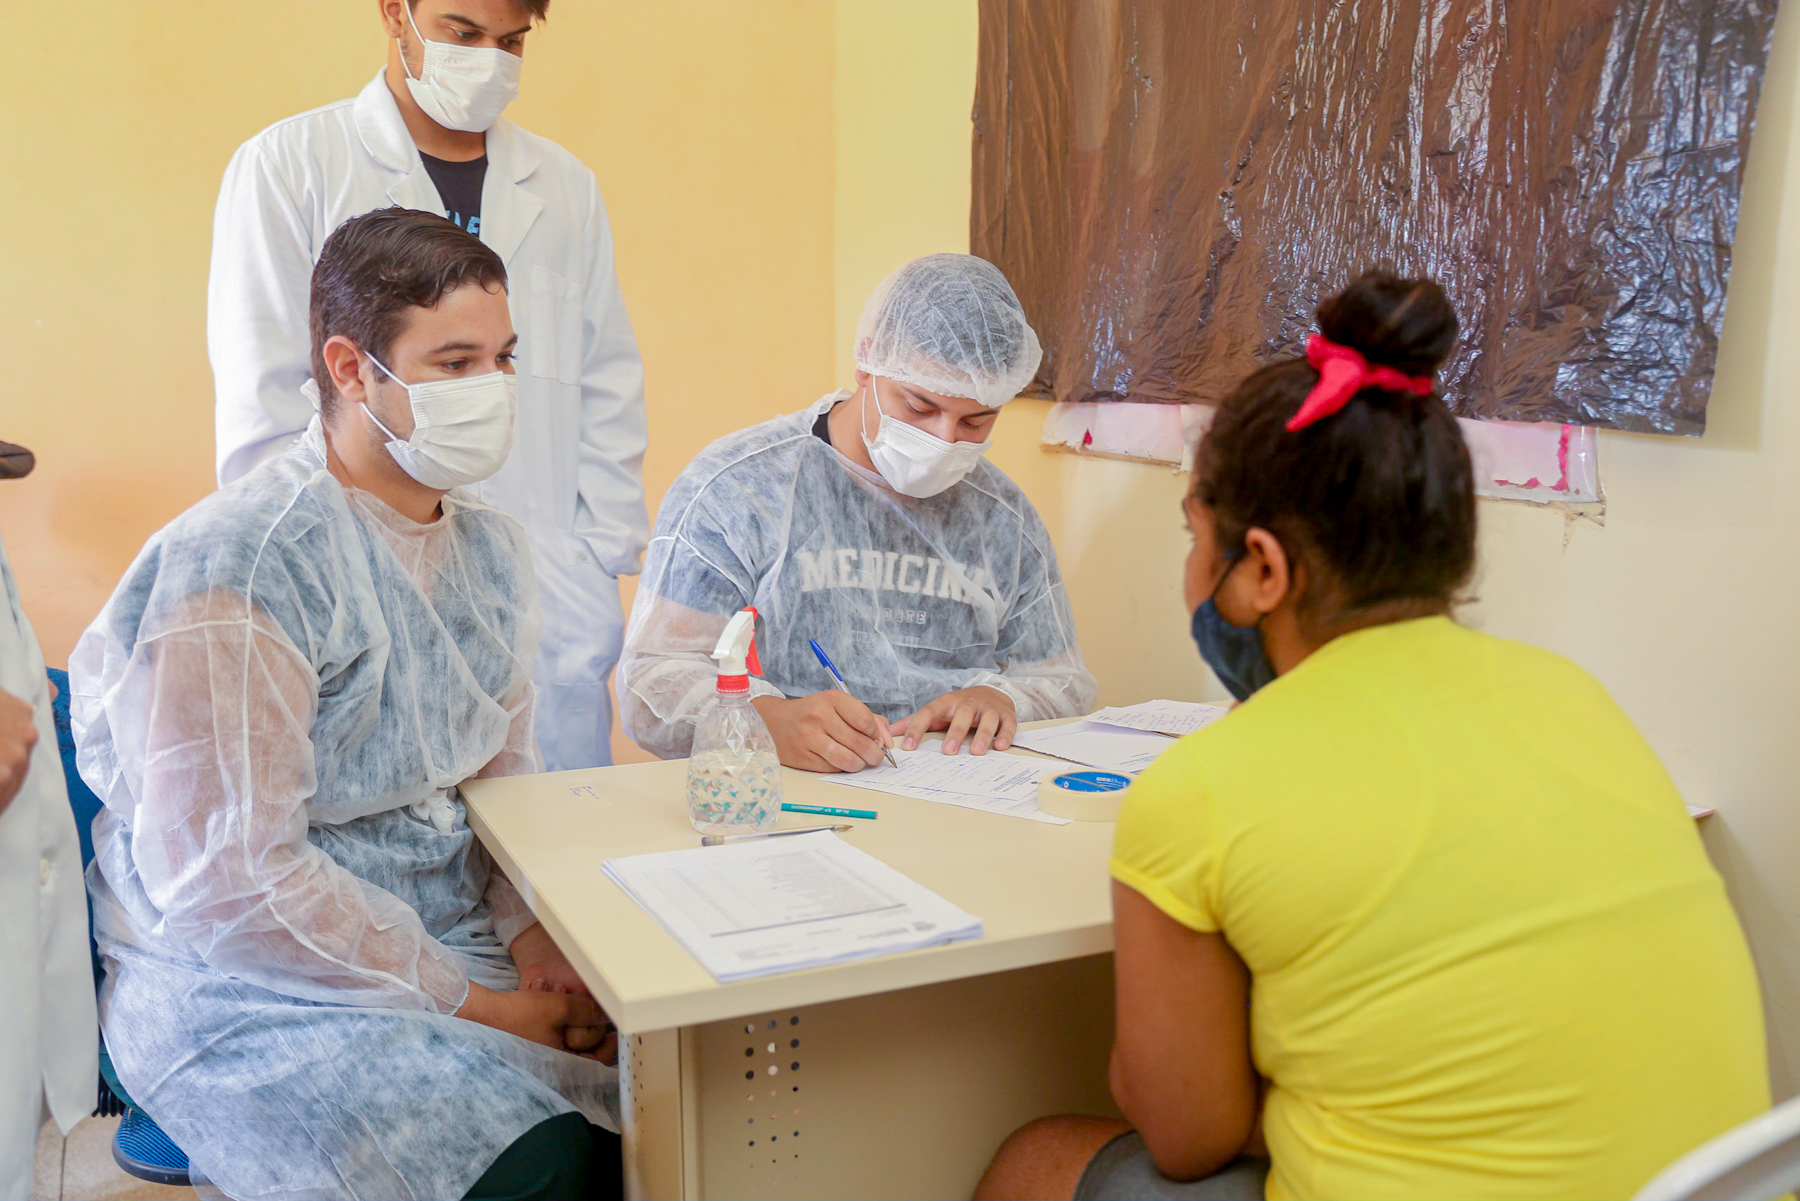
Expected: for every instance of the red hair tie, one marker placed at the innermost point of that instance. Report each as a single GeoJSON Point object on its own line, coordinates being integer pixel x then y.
{"type": "Point", "coordinates": [1343, 372]}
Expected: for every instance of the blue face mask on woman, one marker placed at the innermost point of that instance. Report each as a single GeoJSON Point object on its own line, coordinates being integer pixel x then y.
{"type": "Point", "coordinates": [1235, 653]}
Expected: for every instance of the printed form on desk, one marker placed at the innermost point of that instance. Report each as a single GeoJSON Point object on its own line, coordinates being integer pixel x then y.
{"type": "Point", "coordinates": [769, 905]}
{"type": "Point", "coordinates": [994, 783]}
{"type": "Point", "coordinates": [1091, 744]}
{"type": "Point", "coordinates": [1121, 739]}
{"type": "Point", "coordinates": [1174, 718]}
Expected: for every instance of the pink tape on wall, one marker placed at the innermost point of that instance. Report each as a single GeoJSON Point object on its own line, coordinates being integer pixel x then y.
{"type": "Point", "coordinates": [1513, 460]}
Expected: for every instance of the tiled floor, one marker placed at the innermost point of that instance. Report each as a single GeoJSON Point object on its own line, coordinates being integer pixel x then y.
{"type": "Point", "coordinates": [81, 1168]}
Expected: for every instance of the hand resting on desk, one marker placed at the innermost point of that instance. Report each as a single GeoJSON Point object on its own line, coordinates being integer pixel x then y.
{"type": "Point", "coordinates": [983, 715]}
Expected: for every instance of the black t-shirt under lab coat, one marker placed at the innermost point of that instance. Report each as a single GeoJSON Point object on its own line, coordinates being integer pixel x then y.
{"type": "Point", "coordinates": [459, 188]}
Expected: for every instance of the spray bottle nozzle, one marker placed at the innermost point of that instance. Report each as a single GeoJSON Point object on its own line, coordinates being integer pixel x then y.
{"type": "Point", "coordinates": [736, 652]}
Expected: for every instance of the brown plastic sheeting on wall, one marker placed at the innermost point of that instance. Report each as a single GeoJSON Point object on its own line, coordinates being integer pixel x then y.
{"type": "Point", "coordinates": [1173, 185]}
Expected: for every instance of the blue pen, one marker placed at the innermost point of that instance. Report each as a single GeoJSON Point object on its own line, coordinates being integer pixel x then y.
{"type": "Point", "coordinates": [825, 661]}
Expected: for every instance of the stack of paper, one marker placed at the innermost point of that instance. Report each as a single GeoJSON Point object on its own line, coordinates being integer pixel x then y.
{"type": "Point", "coordinates": [770, 905]}
{"type": "Point", "coordinates": [1090, 744]}
{"type": "Point", "coordinates": [1174, 718]}
{"type": "Point", "coordinates": [994, 782]}
{"type": "Point", "coordinates": [1126, 740]}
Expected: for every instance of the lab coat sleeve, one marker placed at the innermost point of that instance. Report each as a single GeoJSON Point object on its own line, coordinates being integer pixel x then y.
{"type": "Point", "coordinates": [1041, 665]}
{"type": "Point", "coordinates": [257, 298]}
{"type": "Point", "coordinates": [610, 510]}
{"type": "Point", "coordinates": [47, 1033]}
{"type": "Point", "coordinates": [224, 704]}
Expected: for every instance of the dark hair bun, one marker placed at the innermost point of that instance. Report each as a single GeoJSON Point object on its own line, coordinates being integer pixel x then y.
{"type": "Point", "coordinates": [1406, 324]}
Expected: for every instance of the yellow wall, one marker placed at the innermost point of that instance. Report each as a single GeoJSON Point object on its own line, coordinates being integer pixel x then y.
{"type": "Point", "coordinates": [126, 128]}
{"type": "Point", "coordinates": [902, 143]}
{"type": "Point", "coordinates": [1686, 605]}
{"type": "Point", "coordinates": [708, 124]}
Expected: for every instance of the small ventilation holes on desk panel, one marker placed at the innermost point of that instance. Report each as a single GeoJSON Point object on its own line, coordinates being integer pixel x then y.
{"type": "Point", "coordinates": [637, 1073]}
{"type": "Point", "coordinates": [772, 1116]}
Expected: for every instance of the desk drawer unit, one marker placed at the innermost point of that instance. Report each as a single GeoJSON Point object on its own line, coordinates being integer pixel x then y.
{"type": "Point", "coordinates": [903, 1094]}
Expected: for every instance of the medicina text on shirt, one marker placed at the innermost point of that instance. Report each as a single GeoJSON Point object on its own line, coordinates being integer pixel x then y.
{"type": "Point", "coordinates": [913, 598]}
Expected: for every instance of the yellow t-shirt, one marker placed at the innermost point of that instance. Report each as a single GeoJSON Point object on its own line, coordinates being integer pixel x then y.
{"type": "Point", "coordinates": [1489, 956]}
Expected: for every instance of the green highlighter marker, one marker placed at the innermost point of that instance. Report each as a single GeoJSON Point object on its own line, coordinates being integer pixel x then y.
{"type": "Point", "coordinates": [827, 810]}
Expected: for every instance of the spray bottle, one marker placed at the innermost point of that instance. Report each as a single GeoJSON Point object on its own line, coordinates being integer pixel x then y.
{"type": "Point", "coordinates": [734, 774]}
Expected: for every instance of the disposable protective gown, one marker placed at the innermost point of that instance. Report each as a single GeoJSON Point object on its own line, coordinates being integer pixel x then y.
{"type": "Point", "coordinates": [911, 598]}
{"type": "Point", "coordinates": [277, 706]}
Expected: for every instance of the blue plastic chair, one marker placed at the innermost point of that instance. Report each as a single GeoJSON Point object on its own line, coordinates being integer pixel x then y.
{"type": "Point", "coordinates": [140, 1147]}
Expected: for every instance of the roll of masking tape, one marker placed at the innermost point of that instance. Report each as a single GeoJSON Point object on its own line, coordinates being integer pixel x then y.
{"type": "Point", "coordinates": [1086, 796]}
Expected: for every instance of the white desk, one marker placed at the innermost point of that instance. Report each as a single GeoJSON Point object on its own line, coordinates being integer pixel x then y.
{"type": "Point", "coordinates": [893, 1077]}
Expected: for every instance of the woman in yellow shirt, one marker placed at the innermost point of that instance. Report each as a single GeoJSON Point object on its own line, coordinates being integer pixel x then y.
{"type": "Point", "coordinates": [1424, 916]}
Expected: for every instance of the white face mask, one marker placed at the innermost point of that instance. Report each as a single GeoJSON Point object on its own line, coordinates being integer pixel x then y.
{"type": "Point", "coordinates": [462, 428]}
{"type": "Point", "coordinates": [913, 462]}
{"type": "Point", "coordinates": [462, 87]}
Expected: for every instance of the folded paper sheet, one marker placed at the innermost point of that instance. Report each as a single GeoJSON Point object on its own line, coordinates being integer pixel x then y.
{"type": "Point", "coordinates": [1090, 744]}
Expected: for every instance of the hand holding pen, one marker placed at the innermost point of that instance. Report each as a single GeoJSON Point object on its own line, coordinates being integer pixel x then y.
{"type": "Point", "coordinates": [829, 731]}
{"type": "Point", "coordinates": [838, 677]}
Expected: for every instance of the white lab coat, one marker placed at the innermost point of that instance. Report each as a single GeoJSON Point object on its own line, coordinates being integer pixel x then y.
{"type": "Point", "coordinates": [49, 1040]}
{"type": "Point", "coordinates": [575, 478]}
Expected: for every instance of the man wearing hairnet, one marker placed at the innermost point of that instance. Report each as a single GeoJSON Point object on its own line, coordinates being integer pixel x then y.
{"type": "Point", "coordinates": [317, 982]}
{"type": "Point", "coordinates": [869, 522]}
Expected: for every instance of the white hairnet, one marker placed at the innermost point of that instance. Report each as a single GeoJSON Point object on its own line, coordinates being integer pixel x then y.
{"type": "Point", "coordinates": [912, 598]}
{"type": "Point", "coordinates": [949, 323]}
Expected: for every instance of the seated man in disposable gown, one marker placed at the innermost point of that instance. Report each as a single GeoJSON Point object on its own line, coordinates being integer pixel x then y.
{"type": "Point", "coordinates": [869, 522]}
{"type": "Point", "coordinates": [309, 983]}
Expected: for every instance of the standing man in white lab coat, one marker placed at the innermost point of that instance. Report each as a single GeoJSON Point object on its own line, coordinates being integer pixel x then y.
{"type": "Point", "coordinates": [49, 1036]}
{"type": "Point", "coordinates": [426, 133]}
